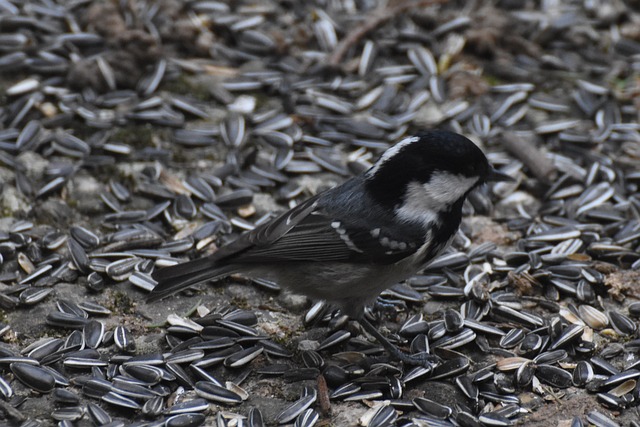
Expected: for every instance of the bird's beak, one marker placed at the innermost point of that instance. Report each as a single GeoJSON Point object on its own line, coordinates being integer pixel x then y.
{"type": "Point", "coordinates": [496, 176]}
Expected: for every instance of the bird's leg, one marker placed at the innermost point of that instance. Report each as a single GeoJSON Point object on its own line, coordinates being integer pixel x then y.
{"type": "Point", "coordinates": [422, 359]}
{"type": "Point", "coordinates": [389, 307]}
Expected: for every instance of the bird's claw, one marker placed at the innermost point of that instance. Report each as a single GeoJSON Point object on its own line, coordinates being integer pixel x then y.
{"type": "Point", "coordinates": [425, 360]}
{"type": "Point", "coordinates": [418, 359]}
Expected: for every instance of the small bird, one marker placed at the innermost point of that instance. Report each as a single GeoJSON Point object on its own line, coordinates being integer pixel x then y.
{"type": "Point", "coordinates": [349, 243]}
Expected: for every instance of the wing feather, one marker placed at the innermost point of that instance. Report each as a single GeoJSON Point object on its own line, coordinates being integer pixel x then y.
{"type": "Point", "coordinates": [309, 232]}
{"type": "Point", "coordinates": [314, 238]}
{"type": "Point", "coordinates": [267, 233]}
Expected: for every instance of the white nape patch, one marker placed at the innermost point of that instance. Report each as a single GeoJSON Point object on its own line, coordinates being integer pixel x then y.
{"type": "Point", "coordinates": [392, 151]}
{"type": "Point", "coordinates": [423, 202]}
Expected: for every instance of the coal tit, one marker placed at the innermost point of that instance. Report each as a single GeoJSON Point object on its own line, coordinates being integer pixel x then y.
{"type": "Point", "coordinates": [349, 243]}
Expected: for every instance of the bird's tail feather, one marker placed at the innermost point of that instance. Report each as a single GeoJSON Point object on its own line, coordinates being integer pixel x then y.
{"type": "Point", "coordinates": [181, 276]}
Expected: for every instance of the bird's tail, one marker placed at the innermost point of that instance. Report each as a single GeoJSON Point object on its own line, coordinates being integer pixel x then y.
{"type": "Point", "coordinates": [181, 276]}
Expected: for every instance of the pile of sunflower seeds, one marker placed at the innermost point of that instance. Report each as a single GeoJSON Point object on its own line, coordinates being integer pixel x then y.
{"type": "Point", "coordinates": [136, 135]}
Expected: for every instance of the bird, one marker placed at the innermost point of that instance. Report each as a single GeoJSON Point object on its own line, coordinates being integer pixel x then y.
{"type": "Point", "coordinates": [351, 242]}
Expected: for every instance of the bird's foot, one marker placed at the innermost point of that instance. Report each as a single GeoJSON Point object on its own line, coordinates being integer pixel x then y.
{"type": "Point", "coordinates": [418, 359]}
{"type": "Point", "coordinates": [425, 360]}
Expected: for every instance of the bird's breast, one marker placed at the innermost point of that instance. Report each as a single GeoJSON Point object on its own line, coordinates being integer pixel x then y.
{"type": "Point", "coordinates": [432, 249]}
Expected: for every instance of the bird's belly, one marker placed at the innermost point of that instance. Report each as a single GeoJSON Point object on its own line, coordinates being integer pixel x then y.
{"type": "Point", "coordinates": [339, 283]}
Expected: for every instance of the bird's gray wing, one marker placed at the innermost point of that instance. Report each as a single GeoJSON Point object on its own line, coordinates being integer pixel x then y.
{"type": "Point", "coordinates": [318, 237]}
{"type": "Point", "coordinates": [222, 263]}
{"type": "Point", "coordinates": [305, 233]}
{"type": "Point", "coordinates": [265, 234]}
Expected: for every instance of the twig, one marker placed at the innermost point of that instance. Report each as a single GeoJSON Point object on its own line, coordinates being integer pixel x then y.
{"type": "Point", "coordinates": [531, 156]}
{"type": "Point", "coordinates": [376, 19]}
{"type": "Point", "coordinates": [323, 396]}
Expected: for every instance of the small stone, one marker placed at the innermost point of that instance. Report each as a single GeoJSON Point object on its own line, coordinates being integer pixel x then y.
{"type": "Point", "coordinates": [308, 345]}
{"type": "Point", "coordinates": [246, 211]}
{"type": "Point", "coordinates": [293, 302]}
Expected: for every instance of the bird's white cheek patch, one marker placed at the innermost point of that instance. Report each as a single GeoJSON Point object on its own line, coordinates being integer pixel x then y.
{"type": "Point", "coordinates": [447, 188]}
{"type": "Point", "coordinates": [417, 207]}
{"type": "Point", "coordinates": [424, 202]}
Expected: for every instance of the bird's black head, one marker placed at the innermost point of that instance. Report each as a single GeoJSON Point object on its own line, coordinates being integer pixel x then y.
{"type": "Point", "coordinates": [447, 164]}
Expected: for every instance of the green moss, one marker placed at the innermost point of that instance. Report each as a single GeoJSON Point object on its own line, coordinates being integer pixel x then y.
{"type": "Point", "coordinates": [262, 98]}
{"type": "Point", "coordinates": [240, 303]}
{"type": "Point", "coordinates": [135, 135]}
{"type": "Point", "coordinates": [72, 203]}
{"type": "Point", "coordinates": [121, 303]}
{"type": "Point", "coordinates": [183, 156]}
{"type": "Point", "coordinates": [80, 129]}
{"type": "Point", "coordinates": [492, 80]}
{"type": "Point", "coordinates": [183, 85]}
{"type": "Point", "coordinates": [39, 333]}
{"type": "Point", "coordinates": [288, 340]}
{"type": "Point", "coordinates": [52, 333]}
